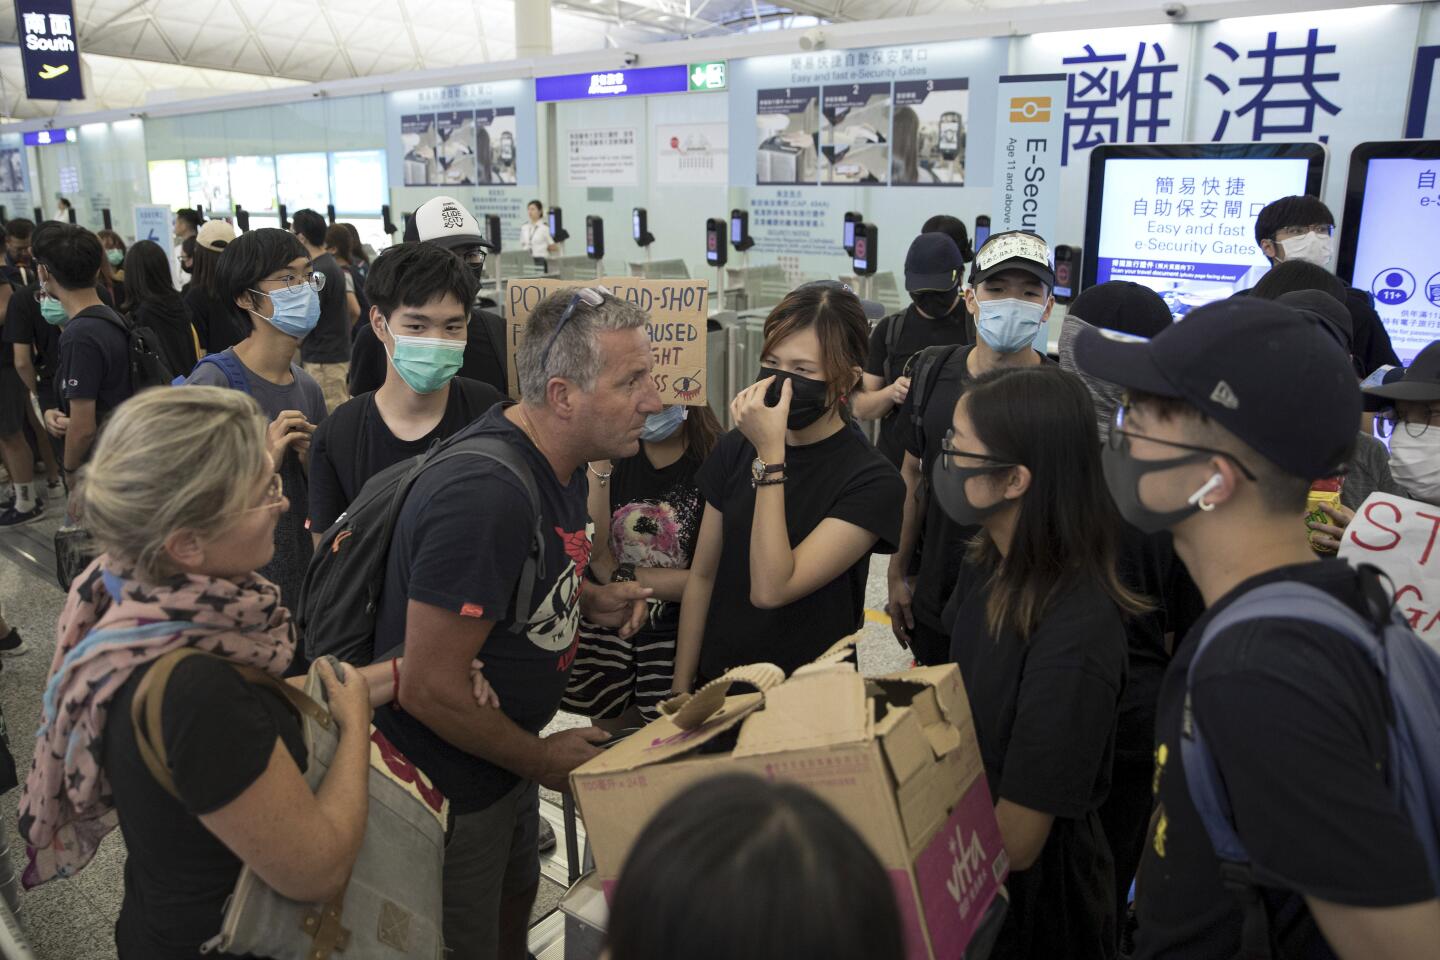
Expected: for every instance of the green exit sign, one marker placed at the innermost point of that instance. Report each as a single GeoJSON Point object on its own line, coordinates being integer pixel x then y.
{"type": "Point", "coordinates": [705, 77]}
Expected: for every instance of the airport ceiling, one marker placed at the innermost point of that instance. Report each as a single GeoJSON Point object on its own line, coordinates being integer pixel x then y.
{"type": "Point", "coordinates": [140, 51]}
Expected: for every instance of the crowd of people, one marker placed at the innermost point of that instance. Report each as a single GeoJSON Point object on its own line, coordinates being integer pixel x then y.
{"type": "Point", "coordinates": [1078, 534]}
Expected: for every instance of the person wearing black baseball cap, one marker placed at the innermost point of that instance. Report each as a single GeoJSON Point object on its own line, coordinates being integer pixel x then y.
{"type": "Point", "coordinates": [1009, 300]}
{"type": "Point", "coordinates": [1229, 417]}
{"type": "Point", "coordinates": [935, 317]}
{"type": "Point", "coordinates": [446, 223]}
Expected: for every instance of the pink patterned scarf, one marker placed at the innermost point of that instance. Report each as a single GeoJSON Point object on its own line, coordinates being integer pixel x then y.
{"type": "Point", "coordinates": [112, 625]}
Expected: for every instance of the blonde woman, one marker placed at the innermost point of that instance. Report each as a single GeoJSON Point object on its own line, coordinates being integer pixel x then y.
{"type": "Point", "coordinates": [182, 496]}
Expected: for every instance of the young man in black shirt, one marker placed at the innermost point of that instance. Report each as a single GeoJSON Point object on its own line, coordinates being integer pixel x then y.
{"type": "Point", "coordinates": [325, 351]}
{"type": "Point", "coordinates": [1229, 417]}
{"type": "Point", "coordinates": [451, 581]}
{"type": "Point", "coordinates": [1302, 228]}
{"type": "Point", "coordinates": [447, 224]}
{"type": "Point", "coordinates": [420, 296]}
{"type": "Point", "coordinates": [93, 371]}
{"type": "Point", "coordinates": [1009, 297]}
{"type": "Point", "coordinates": [935, 317]}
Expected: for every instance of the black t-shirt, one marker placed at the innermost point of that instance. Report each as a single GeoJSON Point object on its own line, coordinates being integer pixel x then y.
{"type": "Point", "coordinates": [1295, 719]}
{"type": "Point", "coordinates": [94, 361]}
{"type": "Point", "coordinates": [655, 513]}
{"type": "Point", "coordinates": [1045, 712]}
{"type": "Point", "coordinates": [484, 355]}
{"type": "Point", "coordinates": [354, 444]}
{"type": "Point", "coordinates": [943, 541]}
{"type": "Point", "coordinates": [24, 323]}
{"type": "Point", "coordinates": [216, 323]}
{"type": "Point", "coordinates": [170, 319]}
{"type": "Point", "coordinates": [219, 732]}
{"type": "Point", "coordinates": [841, 476]}
{"type": "Point", "coordinates": [917, 333]}
{"type": "Point", "coordinates": [460, 541]}
{"type": "Point", "coordinates": [329, 342]}
{"type": "Point", "coordinates": [357, 287]}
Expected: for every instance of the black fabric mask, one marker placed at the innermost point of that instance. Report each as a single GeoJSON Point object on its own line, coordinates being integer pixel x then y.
{"type": "Point", "coordinates": [947, 483]}
{"type": "Point", "coordinates": [808, 400]}
{"type": "Point", "coordinates": [935, 303]}
{"type": "Point", "coordinates": [1123, 474]}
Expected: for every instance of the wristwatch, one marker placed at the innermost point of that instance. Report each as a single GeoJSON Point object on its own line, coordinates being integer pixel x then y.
{"type": "Point", "coordinates": [624, 573]}
{"type": "Point", "coordinates": [760, 471]}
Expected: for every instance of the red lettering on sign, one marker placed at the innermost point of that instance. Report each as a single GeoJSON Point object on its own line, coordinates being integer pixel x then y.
{"type": "Point", "coordinates": [1434, 528]}
{"type": "Point", "coordinates": [1370, 516]}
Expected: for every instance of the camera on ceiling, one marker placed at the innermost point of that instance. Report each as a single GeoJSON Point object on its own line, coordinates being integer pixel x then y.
{"type": "Point", "coordinates": [629, 59]}
{"type": "Point", "coordinates": [1175, 11]}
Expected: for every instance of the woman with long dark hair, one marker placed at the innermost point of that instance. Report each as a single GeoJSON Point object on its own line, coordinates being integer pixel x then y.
{"type": "Point", "coordinates": [796, 500]}
{"type": "Point", "coordinates": [1039, 635]}
{"type": "Point", "coordinates": [151, 300]}
{"type": "Point", "coordinates": [646, 511]}
{"type": "Point", "coordinates": [215, 321]}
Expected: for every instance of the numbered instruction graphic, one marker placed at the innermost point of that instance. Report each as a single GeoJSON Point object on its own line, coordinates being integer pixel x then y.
{"type": "Point", "coordinates": [928, 136]}
{"type": "Point", "coordinates": [1397, 250]}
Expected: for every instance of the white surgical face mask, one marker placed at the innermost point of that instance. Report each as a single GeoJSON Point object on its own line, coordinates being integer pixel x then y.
{"type": "Point", "coordinates": [1415, 462]}
{"type": "Point", "coordinates": [1310, 247]}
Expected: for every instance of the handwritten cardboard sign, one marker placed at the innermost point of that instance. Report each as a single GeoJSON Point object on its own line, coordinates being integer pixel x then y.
{"type": "Point", "coordinates": [677, 311]}
{"type": "Point", "coordinates": [1402, 538]}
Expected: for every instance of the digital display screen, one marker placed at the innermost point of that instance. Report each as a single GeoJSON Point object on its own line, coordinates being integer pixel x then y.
{"type": "Point", "coordinates": [862, 253]}
{"type": "Point", "coordinates": [849, 234]}
{"type": "Point", "coordinates": [252, 184]}
{"type": "Point", "coordinates": [169, 183]}
{"type": "Point", "coordinates": [735, 230]}
{"type": "Point", "coordinates": [554, 227]}
{"type": "Point", "coordinates": [590, 238]}
{"type": "Point", "coordinates": [982, 233]}
{"type": "Point", "coordinates": [357, 182]}
{"type": "Point", "coordinates": [303, 181]}
{"type": "Point", "coordinates": [1062, 278]}
{"type": "Point", "coordinates": [1185, 226]}
{"type": "Point", "coordinates": [635, 226]}
{"type": "Point", "coordinates": [1395, 251]}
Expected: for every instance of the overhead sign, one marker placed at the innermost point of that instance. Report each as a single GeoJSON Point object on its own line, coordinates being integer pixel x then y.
{"type": "Point", "coordinates": [707, 77]}
{"type": "Point", "coordinates": [43, 138]}
{"type": "Point", "coordinates": [633, 82]}
{"type": "Point", "coordinates": [1400, 537]}
{"type": "Point", "coordinates": [677, 327]}
{"type": "Point", "coordinates": [49, 49]}
{"type": "Point", "coordinates": [1029, 134]}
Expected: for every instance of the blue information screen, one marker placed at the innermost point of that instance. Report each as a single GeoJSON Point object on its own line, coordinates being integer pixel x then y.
{"type": "Point", "coordinates": [1395, 254]}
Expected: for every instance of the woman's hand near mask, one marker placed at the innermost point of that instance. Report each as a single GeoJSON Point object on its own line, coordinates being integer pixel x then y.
{"type": "Point", "coordinates": [762, 425]}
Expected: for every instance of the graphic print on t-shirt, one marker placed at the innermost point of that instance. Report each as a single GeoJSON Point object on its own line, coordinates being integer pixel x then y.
{"type": "Point", "coordinates": [657, 532]}
{"type": "Point", "coordinates": [554, 625]}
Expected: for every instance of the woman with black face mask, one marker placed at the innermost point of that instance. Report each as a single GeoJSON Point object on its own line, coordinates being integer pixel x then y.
{"type": "Point", "coordinates": [795, 501]}
{"type": "Point", "coordinates": [1039, 637]}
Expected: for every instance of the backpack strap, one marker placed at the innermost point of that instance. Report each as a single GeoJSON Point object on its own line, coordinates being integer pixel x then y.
{"type": "Point", "coordinates": [148, 703]}
{"type": "Point", "coordinates": [1287, 600]}
{"type": "Point", "coordinates": [922, 384]}
{"type": "Point", "coordinates": [234, 374]}
{"type": "Point", "coordinates": [892, 342]}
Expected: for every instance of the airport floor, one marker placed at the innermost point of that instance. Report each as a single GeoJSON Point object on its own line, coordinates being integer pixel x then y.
{"type": "Point", "coordinates": [74, 919]}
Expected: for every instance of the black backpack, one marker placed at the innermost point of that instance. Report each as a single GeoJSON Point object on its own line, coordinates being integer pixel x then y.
{"type": "Point", "coordinates": [147, 368]}
{"type": "Point", "coordinates": [340, 597]}
{"type": "Point", "coordinates": [892, 343]}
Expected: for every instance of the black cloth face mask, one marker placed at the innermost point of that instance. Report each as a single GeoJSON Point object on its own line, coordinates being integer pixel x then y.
{"type": "Point", "coordinates": [947, 483]}
{"type": "Point", "coordinates": [1123, 474]}
{"type": "Point", "coordinates": [935, 304]}
{"type": "Point", "coordinates": [808, 398]}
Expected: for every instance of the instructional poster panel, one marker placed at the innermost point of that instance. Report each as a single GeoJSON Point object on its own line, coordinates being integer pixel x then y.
{"type": "Point", "coordinates": [606, 157]}
{"type": "Point", "coordinates": [495, 150]}
{"type": "Point", "coordinates": [419, 138]}
{"type": "Point", "coordinates": [1395, 254]}
{"type": "Point", "coordinates": [677, 311]}
{"type": "Point", "coordinates": [12, 171]}
{"type": "Point", "coordinates": [1186, 227]}
{"type": "Point", "coordinates": [855, 133]}
{"type": "Point", "coordinates": [928, 132]}
{"type": "Point", "coordinates": [455, 147]}
{"type": "Point", "coordinates": [692, 153]}
{"type": "Point", "coordinates": [787, 126]}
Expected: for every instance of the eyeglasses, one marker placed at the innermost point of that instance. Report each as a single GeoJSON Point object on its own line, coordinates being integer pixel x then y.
{"type": "Point", "coordinates": [1118, 434]}
{"type": "Point", "coordinates": [474, 256]}
{"type": "Point", "coordinates": [315, 280]}
{"type": "Point", "coordinates": [594, 297]}
{"type": "Point", "coordinates": [274, 496]}
{"type": "Point", "coordinates": [1388, 419]}
{"type": "Point", "coordinates": [1290, 233]}
{"type": "Point", "coordinates": [989, 464]}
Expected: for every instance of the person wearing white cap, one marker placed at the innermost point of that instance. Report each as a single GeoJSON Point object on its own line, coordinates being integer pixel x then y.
{"type": "Point", "coordinates": [445, 222]}
{"type": "Point", "coordinates": [214, 320]}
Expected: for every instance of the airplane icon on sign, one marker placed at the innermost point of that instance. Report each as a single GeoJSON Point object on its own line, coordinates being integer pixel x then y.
{"type": "Point", "coordinates": [48, 72]}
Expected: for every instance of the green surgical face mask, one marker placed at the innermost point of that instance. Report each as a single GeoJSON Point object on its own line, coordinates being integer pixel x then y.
{"type": "Point", "coordinates": [426, 364]}
{"type": "Point", "coordinates": [116, 257]}
{"type": "Point", "coordinates": [53, 312]}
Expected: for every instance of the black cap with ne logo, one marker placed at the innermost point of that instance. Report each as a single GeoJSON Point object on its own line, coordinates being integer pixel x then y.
{"type": "Point", "coordinates": [1263, 371]}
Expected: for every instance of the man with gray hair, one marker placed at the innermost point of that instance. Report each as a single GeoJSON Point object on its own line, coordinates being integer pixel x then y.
{"type": "Point", "coordinates": [460, 542]}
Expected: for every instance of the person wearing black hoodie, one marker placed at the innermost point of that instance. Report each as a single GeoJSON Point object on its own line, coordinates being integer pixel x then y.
{"type": "Point", "coordinates": [151, 300]}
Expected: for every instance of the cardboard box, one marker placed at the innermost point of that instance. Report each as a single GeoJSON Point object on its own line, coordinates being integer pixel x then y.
{"type": "Point", "coordinates": [896, 756]}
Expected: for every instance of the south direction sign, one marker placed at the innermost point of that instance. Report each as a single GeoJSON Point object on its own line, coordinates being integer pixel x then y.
{"type": "Point", "coordinates": [707, 77]}
{"type": "Point", "coordinates": [49, 49]}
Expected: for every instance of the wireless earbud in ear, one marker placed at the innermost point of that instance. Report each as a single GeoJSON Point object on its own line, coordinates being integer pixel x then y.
{"type": "Point", "coordinates": [1197, 499]}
